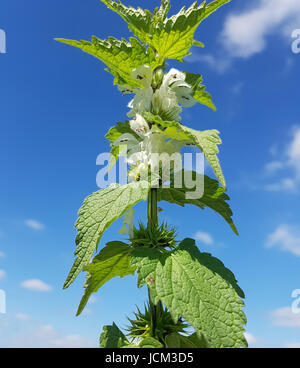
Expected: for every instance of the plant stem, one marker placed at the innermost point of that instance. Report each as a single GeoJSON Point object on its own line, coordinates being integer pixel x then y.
{"type": "Point", "coordinates": [153, 221]}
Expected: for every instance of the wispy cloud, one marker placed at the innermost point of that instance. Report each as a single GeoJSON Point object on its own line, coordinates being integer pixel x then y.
{"type": "Point", "coordinates": [285, 317]}
{"type": "Point", "coordinates": [245, 33]}
{"type": "Point", "coordinates": [286, 167]}
{"type": "Point", "coordinates": [21, 332]}
{"type": "Point", "coordinates": [250, 338]}
{"type": "Point", "coordinates": [2, 275]}
{"type": "Point", "coordinates": [2, 254]}
{"type": "Point", "coordinates": [34, 224]}
{"type": "Point", "coordinates": [286, 238]}
{"type": "Point", "coordinates": [204, 237]}
{"type": "Point", "coordinates": [35, 285]}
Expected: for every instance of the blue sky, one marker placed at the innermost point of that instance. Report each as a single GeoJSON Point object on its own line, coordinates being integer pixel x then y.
{"type": "Point", "coordinates": [56, 106]}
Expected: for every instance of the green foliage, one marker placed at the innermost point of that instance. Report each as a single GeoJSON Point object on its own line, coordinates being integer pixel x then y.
{"type": "Point", "coordinates": [155, 236]}
{"type": "Point", "coordinates": [112, 261]}
{"type": "Point", "coordinates": [97, 214]}
{"type": "Point", "coordinates": [197, 287]}
{"type": "Point", "coordinates": [187, 288]}
{"type": "Point", "coordinates": [214, 197]}
{"type": "Point", "coordinates": [194, 341]}
{"type": "Point", "coordinates": [121, 57]}
{"type": "Point", "coordinates": [200, 95]}
{"type": "Point", "coordinates": [171, 37]}
{"type": "Point", "coordinates": [112, 337]}
{"type": "Point", "coordinates": [144, 326]}
{"type": "Point", "coordinates": [206, 140]}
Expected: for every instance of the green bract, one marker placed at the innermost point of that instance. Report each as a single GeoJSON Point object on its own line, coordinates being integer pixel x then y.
{"type": "Point", "coordinates": [186, 287]}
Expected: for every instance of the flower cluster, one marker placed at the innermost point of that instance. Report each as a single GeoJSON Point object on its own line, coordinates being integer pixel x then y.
{"type": "Point", "coordinates": [160, 94]}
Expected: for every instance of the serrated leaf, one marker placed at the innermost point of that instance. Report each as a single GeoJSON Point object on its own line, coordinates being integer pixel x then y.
{"type": "Point", "coordinates": [199, 94]}
{"type": "Point", "coordinates": [112, 261]}
{"type": "Point", "coordinates": [173, 38]}
{"type": "Point", "coordinates": [98, 212]}
{"type": "Point", "coordinates": [139, 21]}
{"type": "Point", "coordinates": [210, 300]}
{"type": "Point", "coordinates": [214, 197]}
{"type": "Point", "coordinates": [164, 9]}
{"type": "Point", "coordinates": [206, 140]}
{"type": "Point", "coordinates": [121, 57]}
{"type": "Point", "coordinates": [112, 338]}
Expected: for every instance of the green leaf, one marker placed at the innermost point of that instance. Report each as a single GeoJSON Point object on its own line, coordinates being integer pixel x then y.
{"type": "Point", "coordinates": [121, 57]}
{"type": "Point", "coordinates": [210, 300]}
{"type": "Point", "coordinates": [139, 21]}
{"type": "Point", "coordinates": [164, 9]}
{"type": "Point", "coordinates": [214, 197]}
{"type": "Point", "coordinates": [112, 261]}
{"type": "Point", "coordinates": [206, 140]}
{"type": "Point", "coordinates": [112, 337]}
{"type": "Point", "coordinates": [149, 343]}
{"type": "Point", "coordinates": [174, 37]}
{"type": "Point", "coordinates": [200, 95]}
{"type": "Point", "coordinates": [194, 341]}
{"type": "Point", "coordinates": [98, 212]}
{"type": "Point", "coordinates": [115, 133]}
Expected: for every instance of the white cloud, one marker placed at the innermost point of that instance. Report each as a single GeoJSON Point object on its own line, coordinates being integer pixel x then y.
{"type": "Point", "coordinates": [35, 285]}
{"type": "Point", "coordinates": [22, 317]}
{"type": "Point", "coordinates": [250, 338]}
{"type": "Point", "coordinates": [16, 332]}
{"type": "Point", "coordinates": [285, 317]}
{"type": "Point", "coordinates": [2, 274]}
{"type": "Point", "coordinates": [219, 64]}
{"type": "Point", "coordinates": [34, 224]}
{"type": "Point", "coordinates": [205, 238]}
{"type": "Point", "coordinates": [293, 346]}
{"type": "Point", "coordinates": [286, 238]}
{"type": "Point", "coordinates": [287, 166]}
{"type": "Point", "coordinates": [2, 254]}
{"type": "Point", "coordinates": [245, 33]}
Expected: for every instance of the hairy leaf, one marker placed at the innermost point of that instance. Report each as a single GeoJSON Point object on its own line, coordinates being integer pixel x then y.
{"type": "Point", "coordinates": [112, 261]}
{"type": "Point", "coordinates": [197, 287]}
{"type": "Point", "coordinates": [98, 212]}
{"type": "Point", "coordinates": [214, 196]}
{"type": "Point", "coordinates": [112, 337]}
{"type": "Point", "coordinates": [121, 57]}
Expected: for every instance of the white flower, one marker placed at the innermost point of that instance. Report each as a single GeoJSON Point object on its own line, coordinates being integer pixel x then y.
{"type": "Point", "coordinates": [184, 94]}
{"type": "Point", "coordinates": [139, 125]}
{"type": "Point", "coordinates": [164, 102]}
{"type": "Point", "coordinates": [175, 80]}
{"type": "Point", "coordinates": [142, 101]}
{"type": "Point", "coordinates": [144, 74]}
